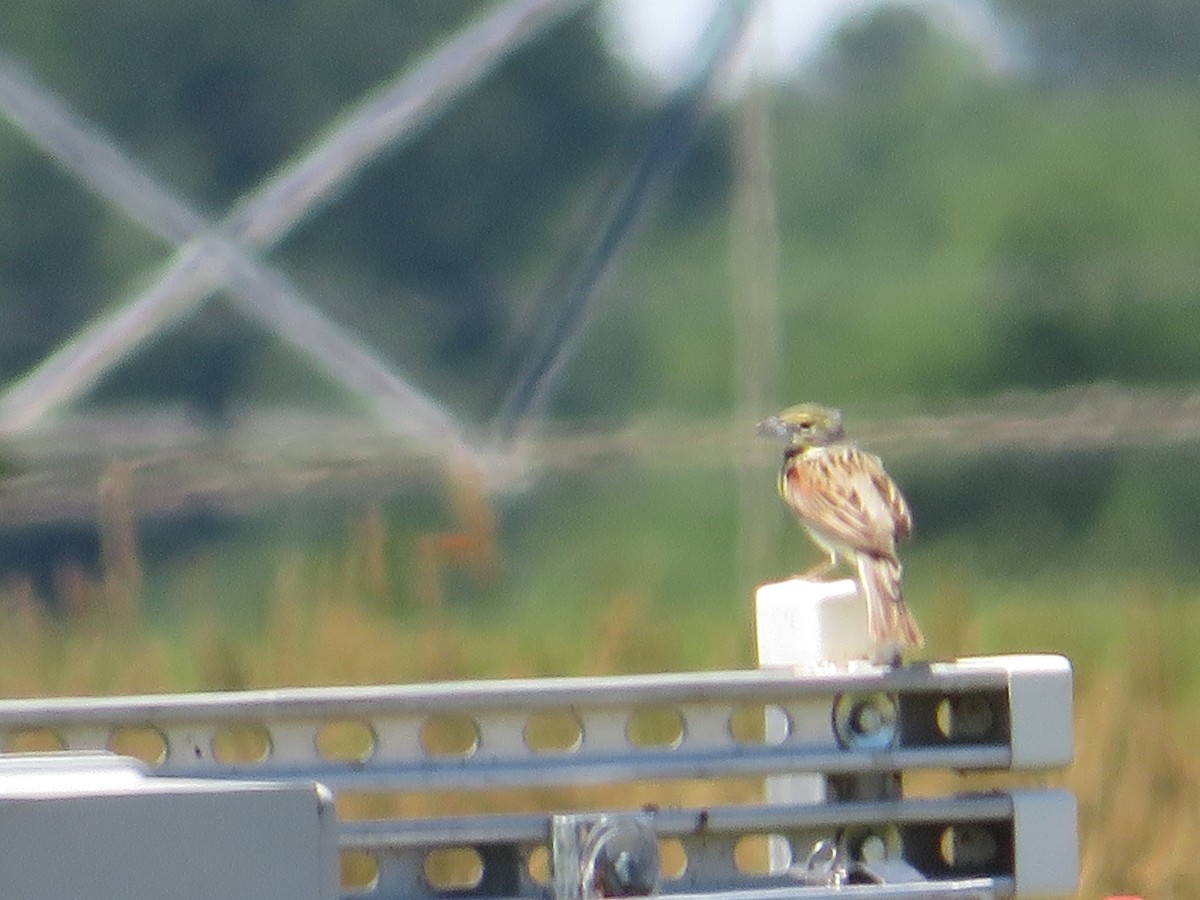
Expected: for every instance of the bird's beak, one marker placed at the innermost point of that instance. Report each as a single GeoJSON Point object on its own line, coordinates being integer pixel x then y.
{"type": "Point", "coordinates": [772, 426]}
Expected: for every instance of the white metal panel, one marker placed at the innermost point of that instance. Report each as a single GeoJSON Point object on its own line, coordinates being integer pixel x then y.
{"type": "Point", "coordinates": [95, 827]}
{"type": "Point", "coordinates": [1046, 850]}
{"type": "Point", "coordinates": [1040, 695]}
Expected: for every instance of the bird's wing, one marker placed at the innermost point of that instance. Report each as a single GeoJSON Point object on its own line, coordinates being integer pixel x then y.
{"type": "Point", "coordinates": [845, 493]}
{"type": "Point", "coordinates": [888, 488]}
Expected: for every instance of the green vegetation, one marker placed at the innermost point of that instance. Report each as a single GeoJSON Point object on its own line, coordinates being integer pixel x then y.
{"type": "Point", "coordinates": [946, 235]}
{"type": "Point", "coordinates": [337, 616]}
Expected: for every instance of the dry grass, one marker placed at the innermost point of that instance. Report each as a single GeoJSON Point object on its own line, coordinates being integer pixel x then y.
{"type": "Point", "coordinates": [1137, 780]}
{"type": "Point", "coordinates": [1136, 772]}
{"type": "Point", "coordinates": [329, 622]}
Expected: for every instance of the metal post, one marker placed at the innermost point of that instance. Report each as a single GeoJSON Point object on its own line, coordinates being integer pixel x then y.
{"type": "Point", "coordinates": [805, 625]}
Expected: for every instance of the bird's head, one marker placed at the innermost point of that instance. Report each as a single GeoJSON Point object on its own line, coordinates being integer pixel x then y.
{"type": "Point", "coordinates": [805, 425]}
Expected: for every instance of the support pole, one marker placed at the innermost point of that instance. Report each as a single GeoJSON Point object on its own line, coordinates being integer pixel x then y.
{"type": "Point", "coordinates": [805, 625]}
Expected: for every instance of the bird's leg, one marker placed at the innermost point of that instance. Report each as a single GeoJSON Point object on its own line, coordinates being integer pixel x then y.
{"type": "Point", "coordinates": [888, 655]}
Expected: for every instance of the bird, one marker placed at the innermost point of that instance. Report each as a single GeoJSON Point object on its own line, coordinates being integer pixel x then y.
{"type": "Point", "coordinates": [853, 510]}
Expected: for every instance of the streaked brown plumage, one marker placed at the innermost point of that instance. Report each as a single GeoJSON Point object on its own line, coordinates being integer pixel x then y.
{"type": "Point", "coordinates": [852, 509]}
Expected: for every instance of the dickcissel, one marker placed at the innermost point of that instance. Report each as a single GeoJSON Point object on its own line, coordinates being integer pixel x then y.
{"type": "Point", "coordinates": [852, 509]}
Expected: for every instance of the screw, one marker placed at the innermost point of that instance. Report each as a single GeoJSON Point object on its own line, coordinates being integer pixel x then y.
{"type": "Point", "coordinates": [867, 719]}
{"type": "Point", "coordinates": [620, 858]}
{"type": "Point", "coordinates": [872, 849]}
{"type": "Point", "coordinates": [865, 722]}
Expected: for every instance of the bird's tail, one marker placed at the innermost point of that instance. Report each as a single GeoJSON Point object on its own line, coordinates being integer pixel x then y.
{"type": "Point", "coordinates": [889, 620]}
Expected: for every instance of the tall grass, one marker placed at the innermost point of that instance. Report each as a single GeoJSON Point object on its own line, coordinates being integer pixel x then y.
{"type": "Point", "coordinates": [332, 619]}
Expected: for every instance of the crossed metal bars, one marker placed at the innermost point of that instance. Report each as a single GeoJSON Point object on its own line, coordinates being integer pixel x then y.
{"type": "Point", "coordinates": [210, 256]}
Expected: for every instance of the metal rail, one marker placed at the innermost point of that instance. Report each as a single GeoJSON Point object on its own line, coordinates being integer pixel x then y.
{"type": "Point", "coordinates": [709, 821]}
{"type": "Point", "coordinates": [560, 731]}
{"type": "Point", "coordinates": [706, 845]}
{"type": "Point", "coordinates": [965, 889]}
{"type": "Point", "coordinates": [860, 728]}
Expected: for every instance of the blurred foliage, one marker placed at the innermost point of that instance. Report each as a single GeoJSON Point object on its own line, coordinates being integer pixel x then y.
{"type": "Point", "coordinates": [340, 616]}
{"type": "Point", "coordinates": [946, 233]}
{"type": "Point", "coordinates": [1041, 236]}
{"type": "Point", "coordinates": [214, 99]}
{"type": "Point", "coordinates": [1112, 39]}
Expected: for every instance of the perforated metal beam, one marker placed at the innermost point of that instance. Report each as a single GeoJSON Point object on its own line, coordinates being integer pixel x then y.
{"type": "Point", "coordinates": [965, 846]}
{"type": "Point", "coordinates": [983, 714]}
{"type": "Point", "coordinates": [1003, 712]}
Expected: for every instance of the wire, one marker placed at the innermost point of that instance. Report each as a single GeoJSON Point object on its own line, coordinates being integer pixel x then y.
{"type": "Point", "coordinates": [575, 284]}
{"type": "Point", "coordinates": [209, 258]}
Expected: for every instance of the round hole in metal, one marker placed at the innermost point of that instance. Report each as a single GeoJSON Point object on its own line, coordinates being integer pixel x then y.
{"type": "Point", "coordinates": [449, 735]}
{"type": "Point", "coordinates": [358, 872]}
{"type": "Point", "coordinates": [242, 744]}
{"type": "Point", "coordinates": [34, 740]}
{"type": "Point", "coordinates": [350, 741]}
{"type": "Point", "coordinates": [967, 847]}
{"type": "Point", "coordinates": [752, 853]}
{"type": "Point", "coordinates": [672, 858]}
{"type": "Point", "coordinates": [964, 718]}
{"type": "Point", "coordinates": [759, 723]}
{"type": "Point", "coordinates": [538, 865]}
{"type": "Point", "coordinates": [553, 732]}
{"type": "Point", "coordinates": [655, 727]}
{"type": "Point", "coordinates": [453, 869]}
{"type": "Point", "coordinates": [144, 742]}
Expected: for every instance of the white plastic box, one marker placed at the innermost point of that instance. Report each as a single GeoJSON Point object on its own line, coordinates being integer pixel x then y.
{"type": "Point", "coordinates": [98, 827]}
